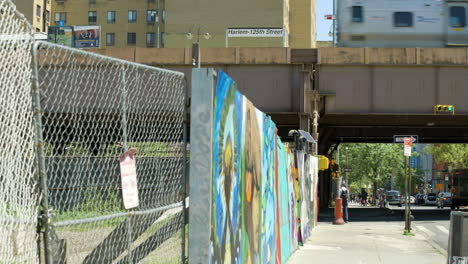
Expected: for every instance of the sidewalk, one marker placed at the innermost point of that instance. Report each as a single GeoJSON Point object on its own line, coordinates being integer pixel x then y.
{"type": "Point", "coordinates": [366, 243]}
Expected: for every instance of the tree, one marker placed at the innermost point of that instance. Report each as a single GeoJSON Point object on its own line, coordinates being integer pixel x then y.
{"type": "Point", "coordinates": [372, 164]}
{"type": "Point", "coordinates": [455, 155]}
{"type": "Point", "coordinates": [417, 178]}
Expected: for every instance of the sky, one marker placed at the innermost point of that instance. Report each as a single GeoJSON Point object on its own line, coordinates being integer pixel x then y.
{"type": "Point", "coordinates": [324, 7]}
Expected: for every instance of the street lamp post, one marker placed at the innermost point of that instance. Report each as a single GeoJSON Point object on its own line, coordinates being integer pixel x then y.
{"type": "Point", "coordinates": [346, 172]}
{"type": "Point", "coordinates": [334, 18]}
{"type": "Point", "coordinates": [196, 52]}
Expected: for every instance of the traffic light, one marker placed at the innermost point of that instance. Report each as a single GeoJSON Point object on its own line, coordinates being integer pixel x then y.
{"type": "Point", "coordinates": [335, 169]}
{"type": "Point", "coordinates": [444, 109]}
{"type": "Point", "coordinates": [335, 175]}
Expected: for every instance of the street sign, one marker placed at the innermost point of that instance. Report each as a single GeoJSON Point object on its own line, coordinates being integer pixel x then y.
{"type": "Point", "coordinates": [347, 169]}
{"type": "Point", "coordinates": [255, 32]}
{"type": "Point", "coordinates": [400, 138]}
{"type": "Point", "coordinates": [407, 150]}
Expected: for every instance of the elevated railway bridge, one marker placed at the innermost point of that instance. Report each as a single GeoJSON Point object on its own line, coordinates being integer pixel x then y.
{"type": "Point", "coordinates": [341, 95]}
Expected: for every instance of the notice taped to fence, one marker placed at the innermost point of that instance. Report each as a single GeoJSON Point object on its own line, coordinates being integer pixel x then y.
{"type": "Point", "coordinates": [129, 179]}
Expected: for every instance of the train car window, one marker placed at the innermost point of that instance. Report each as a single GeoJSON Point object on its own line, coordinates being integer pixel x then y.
{"type": "Point", "coordinates": [457, 16]}
{"type": "Point", "coordinates": [357, 14]}
{"type": "Point", "coordinates": [403, 19]}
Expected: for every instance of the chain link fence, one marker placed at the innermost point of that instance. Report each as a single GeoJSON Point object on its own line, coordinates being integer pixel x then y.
{"type": "Point", "coordinates": [93, 108]}
{"type": "Point", "coordinates": [66, 117]}
{"type": "Point", "coordinates": [18, 188]}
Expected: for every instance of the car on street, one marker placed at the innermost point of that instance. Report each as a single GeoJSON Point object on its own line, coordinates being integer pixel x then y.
{"type": "Point", "coordinates": [411, 199]}
{"type": "Point", "coordinates": [430, 199]}
{"type": "Point", "coordinates": [419, 199]}
{"type": "Point", "coordinates": [394, 198]}
{"type": "Point", "coordinates": [443, 199]}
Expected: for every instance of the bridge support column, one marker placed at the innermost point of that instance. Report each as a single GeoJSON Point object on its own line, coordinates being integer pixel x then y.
{"type": "Point", "coordinates": [304, 122]}
{"type": "Point", "coordinates": [315, 134]}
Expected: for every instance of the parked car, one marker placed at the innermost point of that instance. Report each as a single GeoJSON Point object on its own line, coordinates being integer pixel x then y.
{"type": "Point", "coordinates": [444, 199]}
{"type": "Point", "coordinates": [419, 199]}
{"type": "Point", "coordinates": [411, 199]}
{"type": "Point", "coordinates": [431, 199]}
{"type": "Point", "coordinates": [394, 197]}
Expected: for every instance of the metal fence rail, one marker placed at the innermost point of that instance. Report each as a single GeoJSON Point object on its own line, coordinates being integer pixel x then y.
{"type": "Point", "coordinates": [18, 188]}
{"type": "Point", "coordinates": [93, 108]}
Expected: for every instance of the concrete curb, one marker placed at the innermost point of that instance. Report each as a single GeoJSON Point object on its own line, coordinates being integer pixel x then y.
{"type": "Point", "coordinates": [431, 242]}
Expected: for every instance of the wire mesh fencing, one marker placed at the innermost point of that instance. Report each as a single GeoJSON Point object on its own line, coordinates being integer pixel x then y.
{"type": "Point", "coordinates": [94, 108]}
{"type": "Point", "coordinates": [18, 192]}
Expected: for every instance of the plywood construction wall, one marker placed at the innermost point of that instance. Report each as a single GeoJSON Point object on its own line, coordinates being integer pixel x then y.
{"type": "Point", "coordinates": [263, 192]}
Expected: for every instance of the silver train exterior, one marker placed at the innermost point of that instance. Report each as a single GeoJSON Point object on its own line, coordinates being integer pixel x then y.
{"type": "Point", "coordinates": [402, 23]}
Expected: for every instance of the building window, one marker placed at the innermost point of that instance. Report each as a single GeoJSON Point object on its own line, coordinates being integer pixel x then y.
{"type": "Point", "coordinates": [38, 10]}
{"type": "Point", "coordinates": [92, 17]}
{"type": "Point", "coordinates": [357, 14]}
{"type": "Point", "coordinates": [151, 16]}
{"type": "Point", "coordinates": [110, 16]}
{"type": "Point", "coordinates": [61, 16]}
{"type": "Point", "coordinates": [110, 39]}
{"type": "Point", "coordinates": [132, 16]}
{"type": "Point", "coordinates": [47, 16]}
{"type": "Point", "coordinates": [457, 17]}
{"type": "Point", "coordinates": [403, 19]}
{"type": "Point", "coordinates": [163, 16]}
{"type": "Point", "coordinates": [163, 39]}
{"type": "Point", "coordinates": [131, 38]}
{"type": "Point", "coordinates": [150, 39]}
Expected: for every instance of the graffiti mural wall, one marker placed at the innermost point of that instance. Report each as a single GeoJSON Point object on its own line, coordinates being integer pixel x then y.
{"type": "Point", "coordinates": [262, 190]}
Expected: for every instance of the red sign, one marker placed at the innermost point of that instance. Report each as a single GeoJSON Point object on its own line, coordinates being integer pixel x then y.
{"type": "Point", "coordinates": [407, 141]}
{"type": "Point", "coordinates": [407, 149]}
{"type": "Point", "coordinates": [329, 17]}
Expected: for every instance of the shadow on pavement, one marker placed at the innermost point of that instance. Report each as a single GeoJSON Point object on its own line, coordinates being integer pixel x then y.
{"type": "Point", "coordinates": [365, 214]}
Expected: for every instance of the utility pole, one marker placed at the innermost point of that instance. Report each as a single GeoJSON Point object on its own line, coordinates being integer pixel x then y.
{"type": "Point", "coordinates": [333, 19]}
{"type": "Point", "coordinates": [44, 12]}
{"type": "Point", "coordinates": [407, 186]}
{"type": "Point", "coordinates": [407, 154]}
{"type": "Point", "coordinates": [338, 180]}
{"type": "Point", "coordinates": [347, 168]}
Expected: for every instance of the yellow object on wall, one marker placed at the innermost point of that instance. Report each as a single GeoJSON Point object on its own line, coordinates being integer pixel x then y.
{"type": "Point", "coordinates": [323, 162]}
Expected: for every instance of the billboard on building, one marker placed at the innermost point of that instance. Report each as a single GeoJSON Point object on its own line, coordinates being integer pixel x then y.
{"type": "Point", "coordinates": [61, 35]}
{"type": "Point", "coordinates": [87, 36]}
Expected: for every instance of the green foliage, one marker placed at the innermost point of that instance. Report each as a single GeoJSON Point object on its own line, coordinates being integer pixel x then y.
{"type": "Point", "coordinates": [408, 233]}
{"type": "Point", "coordinates": [372, 164]}
{"type": "Point", "coordinates": [455, 155]}
{"type": "Point", "coordinates": [417, 178]}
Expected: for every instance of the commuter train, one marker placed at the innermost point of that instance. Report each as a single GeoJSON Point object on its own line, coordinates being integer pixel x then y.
{"type": "Point", "coordinates": [402, 23]}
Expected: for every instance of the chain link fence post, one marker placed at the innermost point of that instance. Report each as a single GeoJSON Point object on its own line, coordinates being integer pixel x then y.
{"type": "Point", "coordinates": [123, 86]}
{"type": "Point", "coordinates": [44, 217]}
{"type": "Point", "coordinates": [185, 171]}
